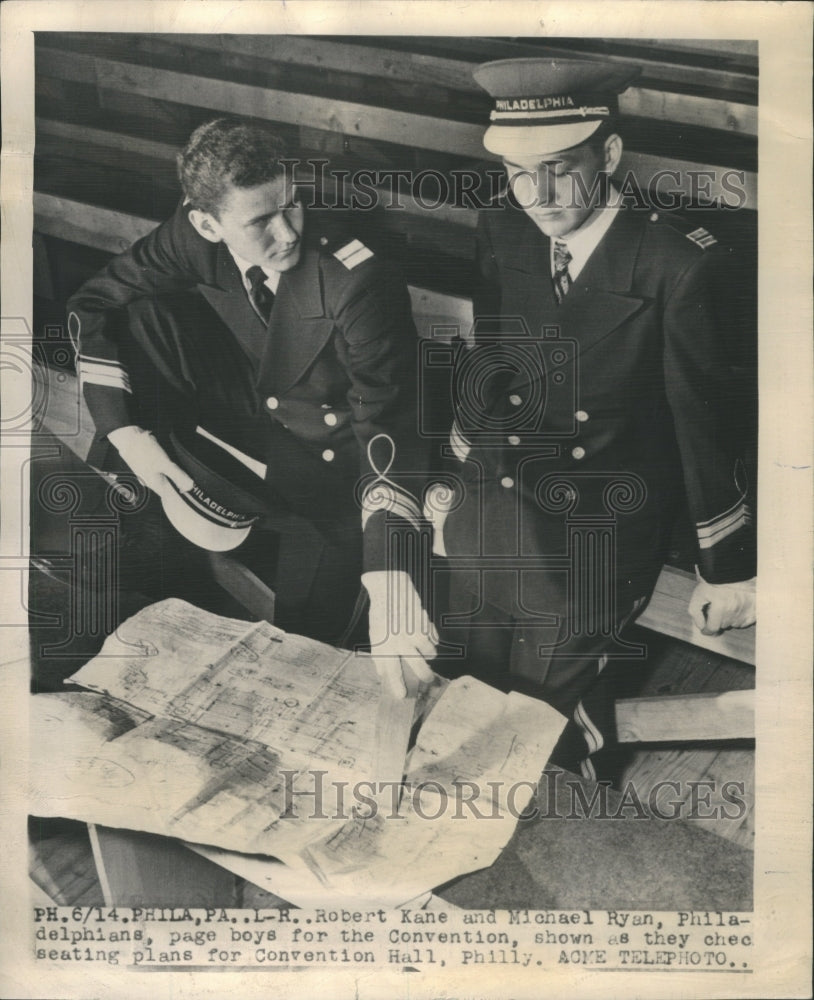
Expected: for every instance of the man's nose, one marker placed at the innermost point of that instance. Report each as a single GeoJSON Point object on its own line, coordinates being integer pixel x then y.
{"type": "Point", "coordinates": [548, 188]}
{"type": "Point", "coordinates": [281, 229]}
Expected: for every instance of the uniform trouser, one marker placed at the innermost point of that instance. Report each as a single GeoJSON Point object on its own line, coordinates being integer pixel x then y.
{"type": "Point", "coordinates": [559, 663]}
{"type": "Point", "coordinates": [186, 369]}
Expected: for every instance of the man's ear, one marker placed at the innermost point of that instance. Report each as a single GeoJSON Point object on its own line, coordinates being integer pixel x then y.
{"type": "Point", "coordinates": [205, 224]}
{"type": "Point", "coordinates": [613, 153]}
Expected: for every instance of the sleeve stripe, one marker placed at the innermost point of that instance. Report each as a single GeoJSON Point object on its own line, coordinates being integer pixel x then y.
{"type": "Point", "coordinates": [592, 735]}
{"type": "Point", "coordinates": [85, 358]}
{"type": "Point", "coordinates": [734, 509]}
{"type": "Point", "coordinates": [708, 537]}
{"type": "Point", "coordinates": [117, 380]}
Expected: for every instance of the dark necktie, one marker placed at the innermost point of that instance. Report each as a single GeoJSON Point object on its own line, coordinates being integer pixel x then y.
{"type": "Point", "coordinates": [561, 277]}
{"type": "Point", "coordinates": [261, 296]}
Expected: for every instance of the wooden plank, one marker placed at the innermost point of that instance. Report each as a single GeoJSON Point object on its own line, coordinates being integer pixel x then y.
{"type": "Point", "coordinates": [43, 278]}
{"type": "Point", "coordinates": [680, 73]}
{"type": "Point", "coordinates": [667, 613]}
{"type": "Point", "coordinates": [647, 170]}
{"type": "Point", "coordinates": [712, 46]}
{"type": "Point", "coordinates": [692, 783]}
{"type": "Point", "coordinates": [243, 585]}
{"type": "Point", "coordinates": [83, 135]}
{"type": "Point", "coordinates": [440, 316]}
{"type": "Point", "coordinates": [89, 225]}
{"type": "Point", "coordinates": [65, 414]}
{"type": "Point", "coordinates": [728, 116]}
{"type": "Point", "coordinates": [398, 127]}
{"type": "Point", "coordinates": [62, 868]}
{"type": "Point", "coordinates": [402, 128]}
{"type": "Point", "coordinates": [324, 54]}
{"type": "Point", "coordinates": [413, 67]}
{"type": "Point", "coordinates": [81, 139]}
{"type": "Point", "coordinates": [140, 869]}
{"type": "Point", "coordinates": [686, 717]}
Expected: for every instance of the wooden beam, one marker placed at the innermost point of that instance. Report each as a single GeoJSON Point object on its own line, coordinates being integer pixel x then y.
{"type": "Point", "coordinates": [667, 613]}
{"type": "Point", "coordinates": [399, 127]}
{"type": "Point", "coordinates": [395, 127]}
{"type": "Point", "coordinates": [77, 222]}
{"type": "Point", "coordinates": [687, 718]}
{"type": "Point", "coordinates": [453, 74]}
{"type": "Point", "coordinates": [80, 139]}
{"type": "Point", "coordinates": [142, 869]}
{"type": "Point", "coordinates": [660, 68]}
{"type": "Point", "coordinates": [649, 171]}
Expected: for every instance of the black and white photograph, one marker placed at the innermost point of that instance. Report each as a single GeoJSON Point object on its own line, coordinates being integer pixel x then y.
{"type": "Point", "coordinates": [406, 477]}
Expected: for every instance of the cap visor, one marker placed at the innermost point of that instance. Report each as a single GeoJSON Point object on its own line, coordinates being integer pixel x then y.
{"type": "Point", "coordinates": [197, 529]}
{"type": "Point", "coordinates": [537, 140]}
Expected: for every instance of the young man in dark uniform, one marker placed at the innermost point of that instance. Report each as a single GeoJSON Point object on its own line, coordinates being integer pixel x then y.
{"type": "Point", "coordinates": [589, 405]}
{"type": "Point", "coordinates": [239, 322]}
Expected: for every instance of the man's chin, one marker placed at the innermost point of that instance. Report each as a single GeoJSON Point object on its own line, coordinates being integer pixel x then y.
{"type": "Point", "coordinates": [284, 262]}
{"type": "Point", "coordinates": [552, 223]}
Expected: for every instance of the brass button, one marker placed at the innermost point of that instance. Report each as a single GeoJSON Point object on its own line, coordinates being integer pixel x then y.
{"type": "Point", "coordinates": [330, 419]}
{"type": "Point", "coordinates": [507, 482]}
{"type": "Point", "coordinates": [514, 439]}
{"type": "Point", "coordinates": [578, 452]}
{"type": "Point", "coordinates": [328, 455]}
{"type": "Point", "coordinates": [272, 402]}
{"type": "Point", "coordinates": [515, 400]}
{"type": "Point", "coordinates": [581, 416]}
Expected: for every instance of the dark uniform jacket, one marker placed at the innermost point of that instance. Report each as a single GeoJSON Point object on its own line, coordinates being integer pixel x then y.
{"type": "Point", "coordinates": [584, 424]}
{"type": "Point", "coordinates": [335, 369]}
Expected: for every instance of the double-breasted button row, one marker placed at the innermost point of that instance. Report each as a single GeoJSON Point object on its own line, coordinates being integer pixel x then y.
{"type": "Point", "coordinates": [330, 418]}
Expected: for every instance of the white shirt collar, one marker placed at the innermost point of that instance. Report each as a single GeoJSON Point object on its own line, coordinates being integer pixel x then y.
{"type": "Point", "coordinates": [272, 277]}
{"type": "Point", "coordinates": [583, 241]}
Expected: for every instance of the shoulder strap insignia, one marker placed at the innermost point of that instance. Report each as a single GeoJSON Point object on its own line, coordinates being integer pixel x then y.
{"type": "Point", "coordinates": [353, 254]}
{"type": "Point", "coordinates": [702, 237]}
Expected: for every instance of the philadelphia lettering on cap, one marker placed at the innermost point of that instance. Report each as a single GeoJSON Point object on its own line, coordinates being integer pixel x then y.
{"type": "Point", "coordinates": [560, 108]}
{"type": "Point", "coordinates": [216, 512]}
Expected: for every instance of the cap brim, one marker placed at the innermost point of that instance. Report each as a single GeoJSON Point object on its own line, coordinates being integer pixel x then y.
{"type": "Point", "coordinates": [196, 528]}
{"type": "Point", "coordinates": [537, 140]}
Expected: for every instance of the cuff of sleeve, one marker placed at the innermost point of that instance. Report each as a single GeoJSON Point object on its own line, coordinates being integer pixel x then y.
{"type": "Point", "coordinates": [731, 560]}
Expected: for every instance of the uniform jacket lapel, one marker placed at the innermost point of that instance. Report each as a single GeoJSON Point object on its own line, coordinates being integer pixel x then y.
{"type": "Point", "coordinates": [298, 329]}
{"type": "Point", "coordinates": [601, 300]}
{"type": "Point", "coordinates": [227, 294]}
